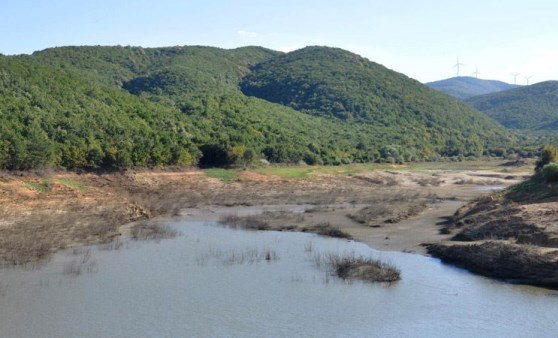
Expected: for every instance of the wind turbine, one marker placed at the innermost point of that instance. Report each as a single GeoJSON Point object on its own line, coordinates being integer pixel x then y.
{"type": "Point", "coordinates": [527, 78]}
{"type": "Point", "coordinates": [515, 75]}
{"type": "Point", "coordinates": [457, 65]}
{"type": "Point", "coordinates": [476, 72]}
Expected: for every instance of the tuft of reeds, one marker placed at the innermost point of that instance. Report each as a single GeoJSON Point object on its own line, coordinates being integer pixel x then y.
{"type": "Point", "coordinates": [353, 267]}
{"type": "Point", "coordinates": [83, 263]}
{"type": "Point", "coordinates": [238, 257]}
{"type": "Point", "coordinates": [253, 222]}
{"type": "Point", "coordinates": [153, 231]}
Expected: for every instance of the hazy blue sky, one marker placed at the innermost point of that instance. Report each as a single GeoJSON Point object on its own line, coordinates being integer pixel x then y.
{"type": "Point", "coordinates": [419, 38]}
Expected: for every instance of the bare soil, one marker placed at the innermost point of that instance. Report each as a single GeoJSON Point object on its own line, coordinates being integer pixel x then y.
{"type": "Point", "coordinates": [395, 209]}
{"type": "Point", "coordinates": [509, 238]}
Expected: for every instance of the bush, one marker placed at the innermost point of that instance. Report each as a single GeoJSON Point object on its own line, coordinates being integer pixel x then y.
{"type": "Point", "coordinates": [549, 154]}
{"type": "Point", "coordinates": [550, 172]}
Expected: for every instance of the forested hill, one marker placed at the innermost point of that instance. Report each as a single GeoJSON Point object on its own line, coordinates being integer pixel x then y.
{"type": "Point", "coordinates": [533, 107]}
{"type": "Point", "coordinates": [89, 107]}
{"type": "Point", "coordinates": [464, 87]}
{"type": "Point", "coordinates": [335, 83]}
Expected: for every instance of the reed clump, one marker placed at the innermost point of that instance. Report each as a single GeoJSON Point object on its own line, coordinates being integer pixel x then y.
{"type": "Point", "coordinates": [153, 231]}
{"type": "Point", "coordinates": [353, 267]}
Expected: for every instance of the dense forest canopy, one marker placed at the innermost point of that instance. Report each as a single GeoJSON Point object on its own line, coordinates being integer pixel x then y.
{"type": "Point", "coordinates": [91, 107]}
{"type": "Point", "coordinates": [533, 107]}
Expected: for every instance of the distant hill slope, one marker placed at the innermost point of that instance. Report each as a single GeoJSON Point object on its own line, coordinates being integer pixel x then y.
{"type": "Point", "coordinates": [332, 82]}
{"type": "Point", "coordinates": [464, 87]}
{"type": "Point", "coordinates": [532, 107]}
{"type": "Point", "coordinates": [96, 106]}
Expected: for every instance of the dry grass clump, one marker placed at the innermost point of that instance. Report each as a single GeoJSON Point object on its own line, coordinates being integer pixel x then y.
{"type": "Point", "coordinates": [353, 267]}
{"type": "Point", "coordinates": [477, 182]}
{"type": "Point", "coordinates": [387, 212]}
{"type": "Point", "coordinates": [153, 231]}
{"type": "Point", "coordinates": [326, 229]}
{"type": "Point", "coordinates": [429, 181]}
{"type": "Point", "coordinates": [252, 222]}
{"type": "Point", "coordinates": [380, 180]}
{"type": "Point", "coordinates": [27, 248]}
{"type": "Point", "coordinates": [289, 221]}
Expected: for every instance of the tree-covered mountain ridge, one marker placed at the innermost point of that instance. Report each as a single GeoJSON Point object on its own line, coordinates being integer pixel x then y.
{"type": "Point", "coordinates": [96, 106]}
{"type": "Point", "coordinates": [533, 107]}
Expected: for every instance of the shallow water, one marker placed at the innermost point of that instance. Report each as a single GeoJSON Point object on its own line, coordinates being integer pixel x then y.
{"type": "Point", "coordinates": [490, 188]}
{"type": "Point", "coordinates": [215, 281]}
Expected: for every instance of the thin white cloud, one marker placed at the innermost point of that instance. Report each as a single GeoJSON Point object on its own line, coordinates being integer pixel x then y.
{"type": "Point", "coordinates": [542, 63]}
{"type": "Point", "coordinates": [290, 48]}
{"type": "Point", "coordinates": [247, 34]}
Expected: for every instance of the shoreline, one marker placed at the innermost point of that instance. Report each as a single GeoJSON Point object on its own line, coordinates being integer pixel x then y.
{"type": "Point", "coordinates": [80, 209]}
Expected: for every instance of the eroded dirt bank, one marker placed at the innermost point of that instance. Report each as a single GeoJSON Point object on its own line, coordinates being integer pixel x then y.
{"type": "Point", "coordinates": [395, 209]}
{"type": "Point", "coordinates": [512, 235]}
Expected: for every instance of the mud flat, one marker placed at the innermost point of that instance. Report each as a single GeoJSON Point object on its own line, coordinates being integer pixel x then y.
{"type": "Point", "coordinates": [387, 207]}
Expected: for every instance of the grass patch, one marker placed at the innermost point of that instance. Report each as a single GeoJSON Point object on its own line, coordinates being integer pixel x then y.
{"type": "Point", "coordinates": [355, 168]}
{"type": "Point", "coordinates": [303, 171]}
{"type": "Point", "coordinates": [224, 175]}
{"type": "Point", "coordinates": [287, 172]}
{"type": "Point", "coordinates": [42, 186]}
{"type": "Point", "coordinates": [72, 184]}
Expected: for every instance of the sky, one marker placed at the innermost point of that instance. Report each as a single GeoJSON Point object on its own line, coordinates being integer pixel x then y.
{"type": "Point", "coordinates": [420, 38]}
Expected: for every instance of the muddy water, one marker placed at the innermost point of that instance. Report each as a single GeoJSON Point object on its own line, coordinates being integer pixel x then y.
{"type": "Point", "coordinates": [214, 281]}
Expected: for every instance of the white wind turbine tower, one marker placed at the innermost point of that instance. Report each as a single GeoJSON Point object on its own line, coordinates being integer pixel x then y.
{"type": "Point", "coordinates": [457, 65]}
{"type": "Point", "coordinates": [476, 73]}
{"type": "Point", "coordinates": [527, 78]}
{"type": "Point", "coordinates": [515, 75]}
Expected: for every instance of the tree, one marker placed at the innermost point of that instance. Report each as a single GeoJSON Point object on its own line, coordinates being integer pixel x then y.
{"type": "Point", "coordinates": [38, 148]}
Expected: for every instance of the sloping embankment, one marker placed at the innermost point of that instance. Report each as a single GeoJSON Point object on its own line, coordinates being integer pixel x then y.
{"type": "Point", "coordinates": [511, 235]}
{"type": "Point", "coordinates": [524, 264]}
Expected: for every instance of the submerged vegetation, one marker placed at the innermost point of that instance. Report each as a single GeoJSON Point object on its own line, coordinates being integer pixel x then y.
{"type": "Point", "coordinates": [153, 231]}
{"type": "Point", "coordinates": [282, 221]}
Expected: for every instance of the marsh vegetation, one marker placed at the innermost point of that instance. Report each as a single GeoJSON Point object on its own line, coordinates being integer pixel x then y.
{"type": "Point", "coordinates": [351, 266]}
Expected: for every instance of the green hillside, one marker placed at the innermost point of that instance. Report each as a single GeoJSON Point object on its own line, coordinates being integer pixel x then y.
{"type": "Point", "coordinates": [88, 107]}
{"type": "Point", "coordinates": [533, 107]}
{"type": "Point", "coordinates": [49, 117]}
{"type": "Point", "coordinates": [464, 87]}
{"type": "Point", "coordinates": [335, 83]}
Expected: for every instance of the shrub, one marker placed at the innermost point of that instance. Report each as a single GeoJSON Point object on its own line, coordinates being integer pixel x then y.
{"type": "Point", "coordinates": [550, 172]}
{"type": "Point", "coordinates": [549, 154]}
